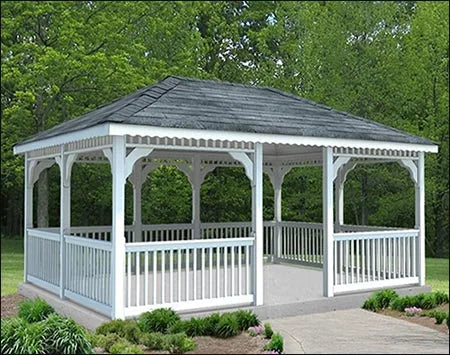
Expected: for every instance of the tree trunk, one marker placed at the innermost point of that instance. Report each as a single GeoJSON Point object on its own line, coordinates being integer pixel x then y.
{"type": "Point", "coordinates": [42, 206]}
{"type": "Point", "coordinates": [364, 217]}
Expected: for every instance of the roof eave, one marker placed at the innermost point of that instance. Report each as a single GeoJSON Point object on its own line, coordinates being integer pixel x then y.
{"type": "Point", "coordinates": [112, 129]}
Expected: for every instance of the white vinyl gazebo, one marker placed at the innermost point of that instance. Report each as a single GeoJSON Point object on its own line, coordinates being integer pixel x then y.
{"type": "Point", "coordinates": [196, 125]}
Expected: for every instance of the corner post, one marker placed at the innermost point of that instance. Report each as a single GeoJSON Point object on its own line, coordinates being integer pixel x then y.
{"type": "Point", "coordinates": [277, 189]}
{"type": "Point", "coordinates": [328, 174]}
{"type": "Point", "coordinates": [118, 227]}
{"type": "Point", "coordinates": [257, 219]}
{"type": "Point", "coordinates": [137, 201]}
{"type": "Point", "coordinates": [28, 213]}
{"type": "Point", "coordinates": [339, 200]}
{"type": "Point", "coordinates": [196, 187]}
{"type": "Point", "coordinates": [420, 215]}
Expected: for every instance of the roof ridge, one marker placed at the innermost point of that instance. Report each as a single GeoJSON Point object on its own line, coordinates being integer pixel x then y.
{"type": "Point", "coordinates": [143, 91]}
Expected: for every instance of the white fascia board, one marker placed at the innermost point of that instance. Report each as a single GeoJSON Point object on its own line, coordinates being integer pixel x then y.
{"type": "Point", "coordinates": [91, 132]}
{"type": "Point", "coordinates": [138, 130]}
{"type": "Point", "coordinates": [116, 129]}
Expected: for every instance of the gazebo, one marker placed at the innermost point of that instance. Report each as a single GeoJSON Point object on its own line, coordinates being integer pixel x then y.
{"type": "Point", "coordinates": [197, 125]}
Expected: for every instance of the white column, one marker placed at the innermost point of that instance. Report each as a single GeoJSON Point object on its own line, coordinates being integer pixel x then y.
{"type": "Point", "coordinates": [137, 201]}
{"type": "Point", "coordinates": [420, 215]}
{"type": "Point", "coordinates": [339, 200]}
{"type": "Point", "coordinates": [328, 254]}
{"type": "Point", "coordinates": [277, 189]}
{"type": "Point", "coordinates": [62, 221]}
{"type": "Point", "coordinates": [28, 212]}
{"type": "Point", "coordinates": [118, 227]}
{"type": "Point", "coordinates": [196, 187]}
{"type": "Point", "coordinates": [257, 222]}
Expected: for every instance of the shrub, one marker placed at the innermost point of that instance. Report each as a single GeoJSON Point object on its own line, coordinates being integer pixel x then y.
{"type": "Point", "coordinates": [211, 323]}
{"type": "Point", "coordinates": [448, 319]}
{"type": "Point", "coordinates": [195, 327]}
{"type": "Point", "coordinates": [426, 301]}
{"type": "Point", "coordinates": [154, 341]}
{"type": "Point", "coordinates": [227, 326]}
{"type": "Point", "coordinates": [412, 311]}
{"type": "Point", "coordinates": [177, 327]}
{"type": "Point", "coordinates": [371, 304]}
{"type": "Point", "coordinates": [384, 298]}
{"type": "Point", "coordinates": [268, 332]}
{"type": "Point", "coordinates": [124, 347]}
{"type": "Point", "coordinates": [401, 303]}
{"type": "Point", "coordinates": [159, 320]}
{"type": "Point", "coordinates": [246, 319]}
{"type": "Point", "coordinates": [438, 314]}
{"type": "Point", "coordinates": [127, 329]}
{"type": "Point", "coordinates": [276, 343]}
{"type": "Point", "coordinates": [440, 297]}
{"type": "Point", "coordinates": [105, 341]}
{"type": "Point", "coordinates": [380, 300]}
{"type": "Point", "coordinates": [64, 336]}
{"type": "Point", "coordinates": [34, 310]}
{"type": "Point", "coordinates": [20, 337]}
{"type": "Point", "coordinates": [179, 343]}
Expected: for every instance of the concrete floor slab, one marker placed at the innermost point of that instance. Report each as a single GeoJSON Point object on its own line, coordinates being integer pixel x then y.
{"type": "Point", "coordinates": [356, 331]}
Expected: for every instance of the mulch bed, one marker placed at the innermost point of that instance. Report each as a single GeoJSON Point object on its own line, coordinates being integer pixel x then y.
{"type": "Point", "coordinates": [10, 305]}
{"type": "Point", "coordinates": [424, 321]}
{"type": "Point", "coordinates": [240, 344]}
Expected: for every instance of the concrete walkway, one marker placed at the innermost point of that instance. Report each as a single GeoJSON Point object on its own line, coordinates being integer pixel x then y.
{"type": "Point", "coordinates": [357, 331]}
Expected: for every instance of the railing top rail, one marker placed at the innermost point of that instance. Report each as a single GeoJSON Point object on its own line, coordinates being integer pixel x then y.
{"type": "Point", "coordinates": [90, 229]}
{"type": "Point", "coordinates": [92, 243]}
{"type": "Point", "coordinates": [362, 228]}
{"type": "Point", "coordinates": [377, 234]}
{"type": "Point", "coordinates": [225, 224]}
{"type": "Point", "coordinates": [298, 223]}
{"type": "Point", "coordinates": [166, 226]}
{"type": "Point", "coordinates": [189, 244]}
{"type": "Point", "coordinates": [44, 234]}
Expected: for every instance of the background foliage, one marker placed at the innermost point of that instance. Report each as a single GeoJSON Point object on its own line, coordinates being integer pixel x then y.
{"type": "Point", "coordinates": [387, 61]}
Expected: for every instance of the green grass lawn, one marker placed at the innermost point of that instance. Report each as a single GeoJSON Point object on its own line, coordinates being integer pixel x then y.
{"type": "Point", "coordinates": [12, 268]}
{"type": "Point", "coordinates": [437, 274]}
{"type": "Point", "coordinates": [12, 264]}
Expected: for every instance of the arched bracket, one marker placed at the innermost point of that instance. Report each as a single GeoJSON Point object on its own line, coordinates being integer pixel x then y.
{"type": "Point", "coordinates": [338, 163]}
{"type": "Point", "coordinates": [188, 170]}
{"type": "Point", "coordinates": [412, 168]}
{"type": "Point", "coordinates": [130, 159]}
{"type": "Point", "coordinates": [70, 159]}
{"type": "Point", "coordinates": [276, 174]}
{"type": "Point", "coordinates": [246, 161]}
{"type": "Point", "coordinates": [36, 168]}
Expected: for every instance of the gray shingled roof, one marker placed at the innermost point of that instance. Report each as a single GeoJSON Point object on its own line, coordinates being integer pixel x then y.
{"type": "Point", "coordinates": [210, 105]}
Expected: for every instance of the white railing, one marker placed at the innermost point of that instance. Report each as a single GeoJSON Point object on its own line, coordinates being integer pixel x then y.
{"type": "Point", "coordinates": [43, 258]}
{"type": "Point", "coordinates": [92, 232]}
{"type": "Point", "coordinates": [166, 232]}
{"type": "Point", "coordinates": [366, 260]}
{"type": "Point", "coordinates": [188, 274]}
{"type": "Point", "coordinates": [88, 272]}
{"type": "Point", "coordinates": [301, 242]}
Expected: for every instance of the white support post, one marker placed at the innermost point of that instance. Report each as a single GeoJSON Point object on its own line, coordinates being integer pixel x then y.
{"type": "Point", "coordinates": [276, 175]}
{"type": "Point", "coordinates": [339, 200]}
{"type": "Point", "coordinates": [257, 222]}
{"type": "Point", "coordinates": [118, 227]}
{"type": "Point", "coordinates": [277, 189]}
{"type": "Point", "coordinates": [65, 163]}
{"type": "Point", "coordinates": [420, 215]}
{"type": "Point", "coordinates": [137, 201]}
{"type": "Point", "coordinates": [196, 187]}
{"type": "Point", "coordinates": [28, 212]}
{"type": "Point", "coordinates": [328, 235]}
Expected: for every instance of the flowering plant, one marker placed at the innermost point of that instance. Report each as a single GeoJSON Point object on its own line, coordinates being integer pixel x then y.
{"type": "Point", "coordinates": [254, 331]}
{"type": "Point", "coordinates": [412, 311]}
